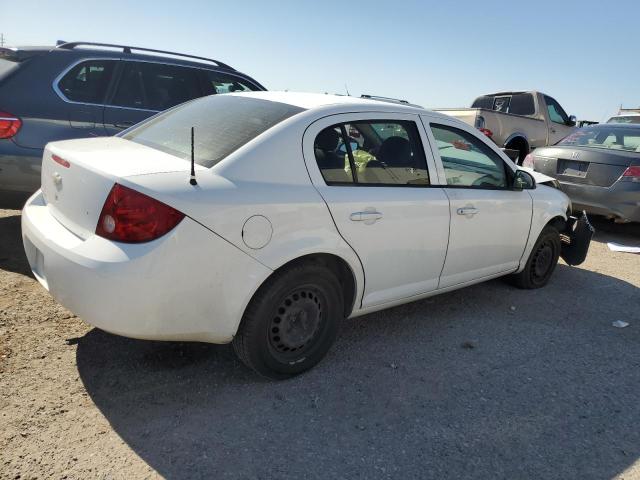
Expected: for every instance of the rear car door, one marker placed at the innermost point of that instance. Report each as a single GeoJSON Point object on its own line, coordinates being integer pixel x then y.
{"type": "Point", "coordinates": [489, 221]}
{"type": "Point", "coordinates": [145, 88]}
{"type": "Point", "coordinates": [375, 176]}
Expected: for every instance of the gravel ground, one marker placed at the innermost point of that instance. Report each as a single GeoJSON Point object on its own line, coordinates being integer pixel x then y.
{"type": "Point", "coordinates": [487, 382]}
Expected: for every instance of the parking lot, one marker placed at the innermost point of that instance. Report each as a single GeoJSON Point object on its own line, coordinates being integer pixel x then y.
{"type": "Point", "coordinates": [484, 382]}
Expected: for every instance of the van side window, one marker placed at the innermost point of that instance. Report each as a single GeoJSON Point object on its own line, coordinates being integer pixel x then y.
{"type": "Point", "coordinates": [218, 82]}
{"type": "Point", "coordinates": [87, 82]}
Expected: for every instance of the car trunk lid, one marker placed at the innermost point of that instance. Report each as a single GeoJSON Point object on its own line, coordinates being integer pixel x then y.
{"type": "Point", "coordinates": [583, 166]}
{"type": "Point", "coordinates": [77, 176]}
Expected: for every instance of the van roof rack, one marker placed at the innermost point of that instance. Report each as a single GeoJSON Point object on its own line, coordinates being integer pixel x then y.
{"type": "Point", "coordinates": [128, 49]}
{"type": "Point", "coordinates": [390, 100]}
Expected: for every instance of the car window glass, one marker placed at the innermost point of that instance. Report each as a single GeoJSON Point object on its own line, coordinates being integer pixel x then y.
{"type": "Point", "coordinates": [522, 104]}
{"type": "Point", "coordinates": [332, 157]}
{"type": "Point", "coordinates": [387, 153]}
{"type": "Point", "coordinates": [155, 86]}
{"type": "Point", "coordinates": [218, 82]}
{"type": "Point", "coordinates": [606, 135]}
{"type": "Point", "coordinates": [467, 161]}
{"type": "Point", "coordinates": [556, 113]}
{"type": "Point", "coordinates": [87, 82]}
{"type": "Point", "coordinates": [501, 104]}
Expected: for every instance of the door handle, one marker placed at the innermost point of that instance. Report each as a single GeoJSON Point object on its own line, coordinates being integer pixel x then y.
{"type": "Point", "coordinates": [467, 211]}
{"type": "Point", "coordinates": [368, 217]}
{"type": "Point", "coordinates": [123, 125]}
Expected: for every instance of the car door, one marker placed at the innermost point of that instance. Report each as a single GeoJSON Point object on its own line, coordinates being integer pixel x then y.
{"type": "Point", "coordinates": [376, 179]}
{"type": "Point", "coordinates": [558, 121]}
{"type": "Point", "coordinates": [489, 221]}
{"type": "Point", "coordinates": [145, 88]}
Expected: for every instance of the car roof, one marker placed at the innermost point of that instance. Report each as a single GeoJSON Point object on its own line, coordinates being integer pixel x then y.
{"type": "Point", "coordinates": [314, 101]}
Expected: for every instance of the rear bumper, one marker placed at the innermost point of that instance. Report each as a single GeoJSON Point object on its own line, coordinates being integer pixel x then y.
{"type": "Point", "coordinates": [19, 167]}
{"type": "Point", "coordinates": [621, 200]}
{"type": "Point", "coordinates": [189, 285]}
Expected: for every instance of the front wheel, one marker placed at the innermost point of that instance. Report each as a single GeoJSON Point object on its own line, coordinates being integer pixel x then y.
{"type": "Point", "coordinates": [542, 261]}
{"type": "Point", "coordinates": [291, 322]}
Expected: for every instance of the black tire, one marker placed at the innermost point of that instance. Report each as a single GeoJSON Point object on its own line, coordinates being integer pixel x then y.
{"type": "Point", "coordinates": [291, 322]}
{"type": "Point", "coordinates": [542, 261]}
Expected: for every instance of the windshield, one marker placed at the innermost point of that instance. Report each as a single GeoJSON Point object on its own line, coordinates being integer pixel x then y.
{"type": "Point", "coordinates": [613, 137]}
{"type": "Point", "coordinates": [222, 124]}
{"type": "Point", "coordinates": [625, 119]}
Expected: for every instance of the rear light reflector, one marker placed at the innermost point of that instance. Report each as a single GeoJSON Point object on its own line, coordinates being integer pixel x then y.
{"type": "Point", "coordinates": [9, 125]}
{"type": "Point", "coordinates": [129, 216]}
{"type": "Point", "coordinates": [632, 174]}
{"type": "Point", "coordinates": [60, 161]}
{"type": "Point", "coordinates": [528, 161]}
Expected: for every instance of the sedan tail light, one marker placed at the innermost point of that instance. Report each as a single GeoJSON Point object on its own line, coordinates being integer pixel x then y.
{"type": "Point", "coordinates": [528, 161]}
{"type": "Point", "coordinates": [132, 217]}
{"type": "Point", "coordinates": [632, 174]}
{"type": "Point", "coordinates": [9, 125]}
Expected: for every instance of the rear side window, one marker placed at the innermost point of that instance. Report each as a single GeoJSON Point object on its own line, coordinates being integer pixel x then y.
{"type": "Point", "coordinates": [222, 123]}
{"type": "Point", "coordinates": [155, 86]}
{"type": "Point", "coordinates": [376, 152]}
{"type": "Point", "coordinates": [522, 104]}
{"type": "Point", "coordinates": [87, 82]}
{"type": "Point", "coordinates": [218, 82]}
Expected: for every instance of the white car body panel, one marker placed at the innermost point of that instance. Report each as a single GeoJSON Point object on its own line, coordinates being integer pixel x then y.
{"type": "Point", "coordinates": [195, 282]}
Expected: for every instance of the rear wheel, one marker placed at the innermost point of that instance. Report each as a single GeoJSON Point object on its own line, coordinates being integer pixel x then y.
{"type": "Point", "coordinates": [291, 322]}
{"type": "Point", "coordinates": [542, 261]}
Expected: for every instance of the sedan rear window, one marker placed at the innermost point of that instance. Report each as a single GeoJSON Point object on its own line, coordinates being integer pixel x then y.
{"type": "Point", "coordinates": [222, 124]}
{"type": "Point", "coordinates": [613, 137]}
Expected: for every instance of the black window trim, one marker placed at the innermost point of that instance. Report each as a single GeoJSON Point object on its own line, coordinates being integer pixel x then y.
{"type": "Point", "coordinates": [354, 174]}
{"type": "Point", "coordinates": [115, 79]}
{"type": "Point", "coordinates": [509, 173]}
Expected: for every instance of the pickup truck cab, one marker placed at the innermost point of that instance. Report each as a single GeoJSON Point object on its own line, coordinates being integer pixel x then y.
{"type": "Point", "coordinates": [520, 121]}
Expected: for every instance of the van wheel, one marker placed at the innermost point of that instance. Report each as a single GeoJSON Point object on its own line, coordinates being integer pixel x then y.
{"type": "Point", "coordinates": [291, 322]}
{"type": "Point", "coordinates": [542, 261]}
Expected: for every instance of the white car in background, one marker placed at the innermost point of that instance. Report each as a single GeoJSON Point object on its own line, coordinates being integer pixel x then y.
{"type": "Point", "coordinates": [305, 209]}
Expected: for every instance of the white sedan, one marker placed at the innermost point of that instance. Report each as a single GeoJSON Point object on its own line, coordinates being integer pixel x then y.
{"type": "Point", "coordinates": [298, 210]}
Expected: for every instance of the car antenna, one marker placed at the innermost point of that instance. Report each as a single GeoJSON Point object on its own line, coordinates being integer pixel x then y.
{"type": "Point", "coordinates": [192, 180]}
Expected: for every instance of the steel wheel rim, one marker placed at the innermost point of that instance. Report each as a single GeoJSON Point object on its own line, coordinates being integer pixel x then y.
{"type": "Point", "coordinates": [542, 261]}
{"type": "Point", "coordinates": [296, 322]}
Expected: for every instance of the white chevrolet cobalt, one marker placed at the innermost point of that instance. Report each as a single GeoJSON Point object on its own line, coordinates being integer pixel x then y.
{"type": "Point", "coordinates": [266, 218]}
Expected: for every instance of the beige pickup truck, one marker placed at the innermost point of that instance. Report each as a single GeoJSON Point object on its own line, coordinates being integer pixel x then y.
{"type": "Point", "coordinates": [517, 121]}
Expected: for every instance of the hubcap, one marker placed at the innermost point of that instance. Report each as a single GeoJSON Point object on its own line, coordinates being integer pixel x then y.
{"type": "Point", "coordinates": [296, 322]}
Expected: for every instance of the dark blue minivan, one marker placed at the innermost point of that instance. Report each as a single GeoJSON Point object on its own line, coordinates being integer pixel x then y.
{"type": "Point", "coordinates": [82, 89]}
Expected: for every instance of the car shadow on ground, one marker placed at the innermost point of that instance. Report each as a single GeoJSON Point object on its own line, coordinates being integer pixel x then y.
{"type": "Point", "coordinates": [485, 382]}
{"type": "Point", "coordinates": [12, 257]}
{"type": "Point", "coordinates": [609, 231]}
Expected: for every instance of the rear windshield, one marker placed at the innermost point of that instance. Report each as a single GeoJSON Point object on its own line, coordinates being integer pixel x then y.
{"type": "Point", "coordinates": [222, 124]}
{"type": "Point", "coordinates": [605, 136]}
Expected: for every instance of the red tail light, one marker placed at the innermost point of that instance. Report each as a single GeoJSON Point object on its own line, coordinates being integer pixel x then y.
{"type": "Point", "coordinates": [632, 173]}
{"type": "Point", "coordinates": [487, 132]}
{"type": "Point", "coordinates": [9, 125]}
{"type": "Point", "coordinates": [133, 217]}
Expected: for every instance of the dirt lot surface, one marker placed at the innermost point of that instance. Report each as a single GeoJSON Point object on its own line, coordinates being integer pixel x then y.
{"type": "Point", "coordinates": [486, 382]}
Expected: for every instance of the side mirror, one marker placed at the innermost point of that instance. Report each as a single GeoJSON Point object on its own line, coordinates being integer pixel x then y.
{"type": "Point", "coordinates": [572, 121]}
{"type": "Point", "coordinates": [523, 181]}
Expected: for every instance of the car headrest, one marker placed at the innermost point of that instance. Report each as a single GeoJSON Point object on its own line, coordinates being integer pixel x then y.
{"type": "Point", "coordinates": [327, 140]}
{"type": "Point", "coordinates": [395, 151]}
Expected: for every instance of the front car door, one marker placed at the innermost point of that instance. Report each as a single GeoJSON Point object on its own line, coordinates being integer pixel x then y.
{"type": "Point", "coordinates": [373, 172]}
{"type": "Point", "coordinates": [559, 122]}
{"type": "Point", "coordinates": [490, 222]}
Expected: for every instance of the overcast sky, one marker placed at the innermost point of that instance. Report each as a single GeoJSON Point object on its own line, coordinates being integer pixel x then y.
{"type": "Point", "coordinates": [437, 54]}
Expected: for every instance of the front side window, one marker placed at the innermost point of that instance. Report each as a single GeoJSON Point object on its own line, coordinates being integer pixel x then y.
{"type": "Point", "coordinates": [467, 161]}
{"type": "Point", "coordinates": [218, 82]}
{"type": "Point", "coordinates": [556, 113]}
{"type": "Point", "coordinates": [222, 124]}
{"type": "Point", "coordinates": [155, 86]}
{"type": "Point", "coordinates": [372, 153]}
{"type": "Point", "coordinates": [87, 82]}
